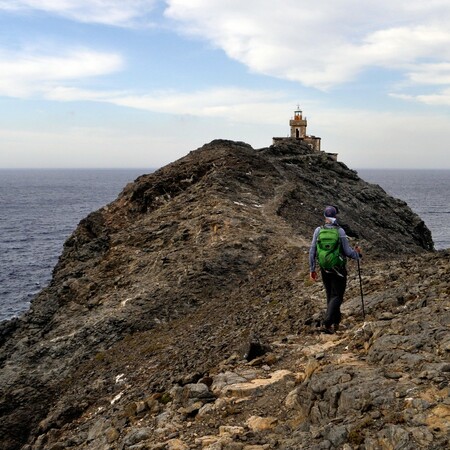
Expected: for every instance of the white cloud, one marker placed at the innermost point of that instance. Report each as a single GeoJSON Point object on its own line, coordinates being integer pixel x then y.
{"type": "Point", "coordinates": [431, 74]}
{"type": "Point", "coordinates": [109, 12]}
{"type": "Point", "coordinates": [24, 75]}
{"type": "Point", "coordinates": [62, 77]}
{"type": "Point", "coordinates": [320, 43]}
{"type": "Point", "coordinates": [234, 104]}
{"type": "Point", "coordinates": [441, 98]}
{"type": "Point", "coordinates": [231, 103]}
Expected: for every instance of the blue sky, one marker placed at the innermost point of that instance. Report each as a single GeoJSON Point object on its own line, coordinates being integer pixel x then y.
{"type": "Point", "coordinates": [109, 83]}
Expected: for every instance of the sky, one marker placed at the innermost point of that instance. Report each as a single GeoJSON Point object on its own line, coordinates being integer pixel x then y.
{"type": "Point", "coordinates": [140, 83]}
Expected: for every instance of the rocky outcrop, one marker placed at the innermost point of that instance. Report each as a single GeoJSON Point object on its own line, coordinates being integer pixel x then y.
{"type": "Point", "coordinates": [180, 316]}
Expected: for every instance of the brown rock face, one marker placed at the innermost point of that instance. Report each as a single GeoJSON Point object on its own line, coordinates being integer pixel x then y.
{"type": "Point", "coordinates": [170, 283]}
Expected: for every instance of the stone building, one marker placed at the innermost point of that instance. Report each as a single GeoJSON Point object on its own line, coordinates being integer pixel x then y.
{"type": "Point", "coordinates": [298, 126]}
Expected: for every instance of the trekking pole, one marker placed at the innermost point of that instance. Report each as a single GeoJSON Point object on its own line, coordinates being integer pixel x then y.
{"type": "Point", "coordinates": [360, 286]}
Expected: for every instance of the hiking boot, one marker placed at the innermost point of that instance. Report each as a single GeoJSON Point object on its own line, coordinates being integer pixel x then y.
{"type": "Point", "coordinates": [336, 327]}
{"type": "Point", "coordinates": [326, 330]}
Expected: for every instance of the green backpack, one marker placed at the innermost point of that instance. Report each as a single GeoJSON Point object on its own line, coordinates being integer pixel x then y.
{"type": "Point", "coordinates": [329, 251]}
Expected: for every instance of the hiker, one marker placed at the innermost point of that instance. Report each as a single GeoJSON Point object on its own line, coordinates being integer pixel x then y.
{"type": "Point", "coordinates": [330, 246]}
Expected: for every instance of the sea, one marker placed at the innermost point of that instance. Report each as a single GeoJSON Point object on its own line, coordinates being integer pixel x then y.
{"type": "Point", "coordinates": [41, 208]}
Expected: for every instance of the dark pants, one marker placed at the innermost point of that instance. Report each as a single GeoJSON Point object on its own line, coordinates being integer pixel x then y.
{"type": "Point", "coordinates": [335, 283]}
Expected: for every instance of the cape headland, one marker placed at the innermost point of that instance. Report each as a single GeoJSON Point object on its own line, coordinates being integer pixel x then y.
{"type": "Point", "coordinates": [180, 316]}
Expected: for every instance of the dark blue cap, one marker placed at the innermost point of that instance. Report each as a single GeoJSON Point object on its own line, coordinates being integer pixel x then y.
{"type": "Point", "coordinates": [330, 211]}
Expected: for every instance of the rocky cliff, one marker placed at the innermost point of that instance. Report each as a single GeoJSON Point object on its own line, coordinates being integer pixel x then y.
{"type": "Point", "coordinates": [180, 316]}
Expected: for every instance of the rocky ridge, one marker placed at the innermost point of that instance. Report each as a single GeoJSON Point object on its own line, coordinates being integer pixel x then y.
{"type": "Point", "coordinates": [180, 316]}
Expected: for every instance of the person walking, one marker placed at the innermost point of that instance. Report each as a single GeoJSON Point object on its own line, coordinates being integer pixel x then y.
{"type": "Point", "coordinates": [330, 246]}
